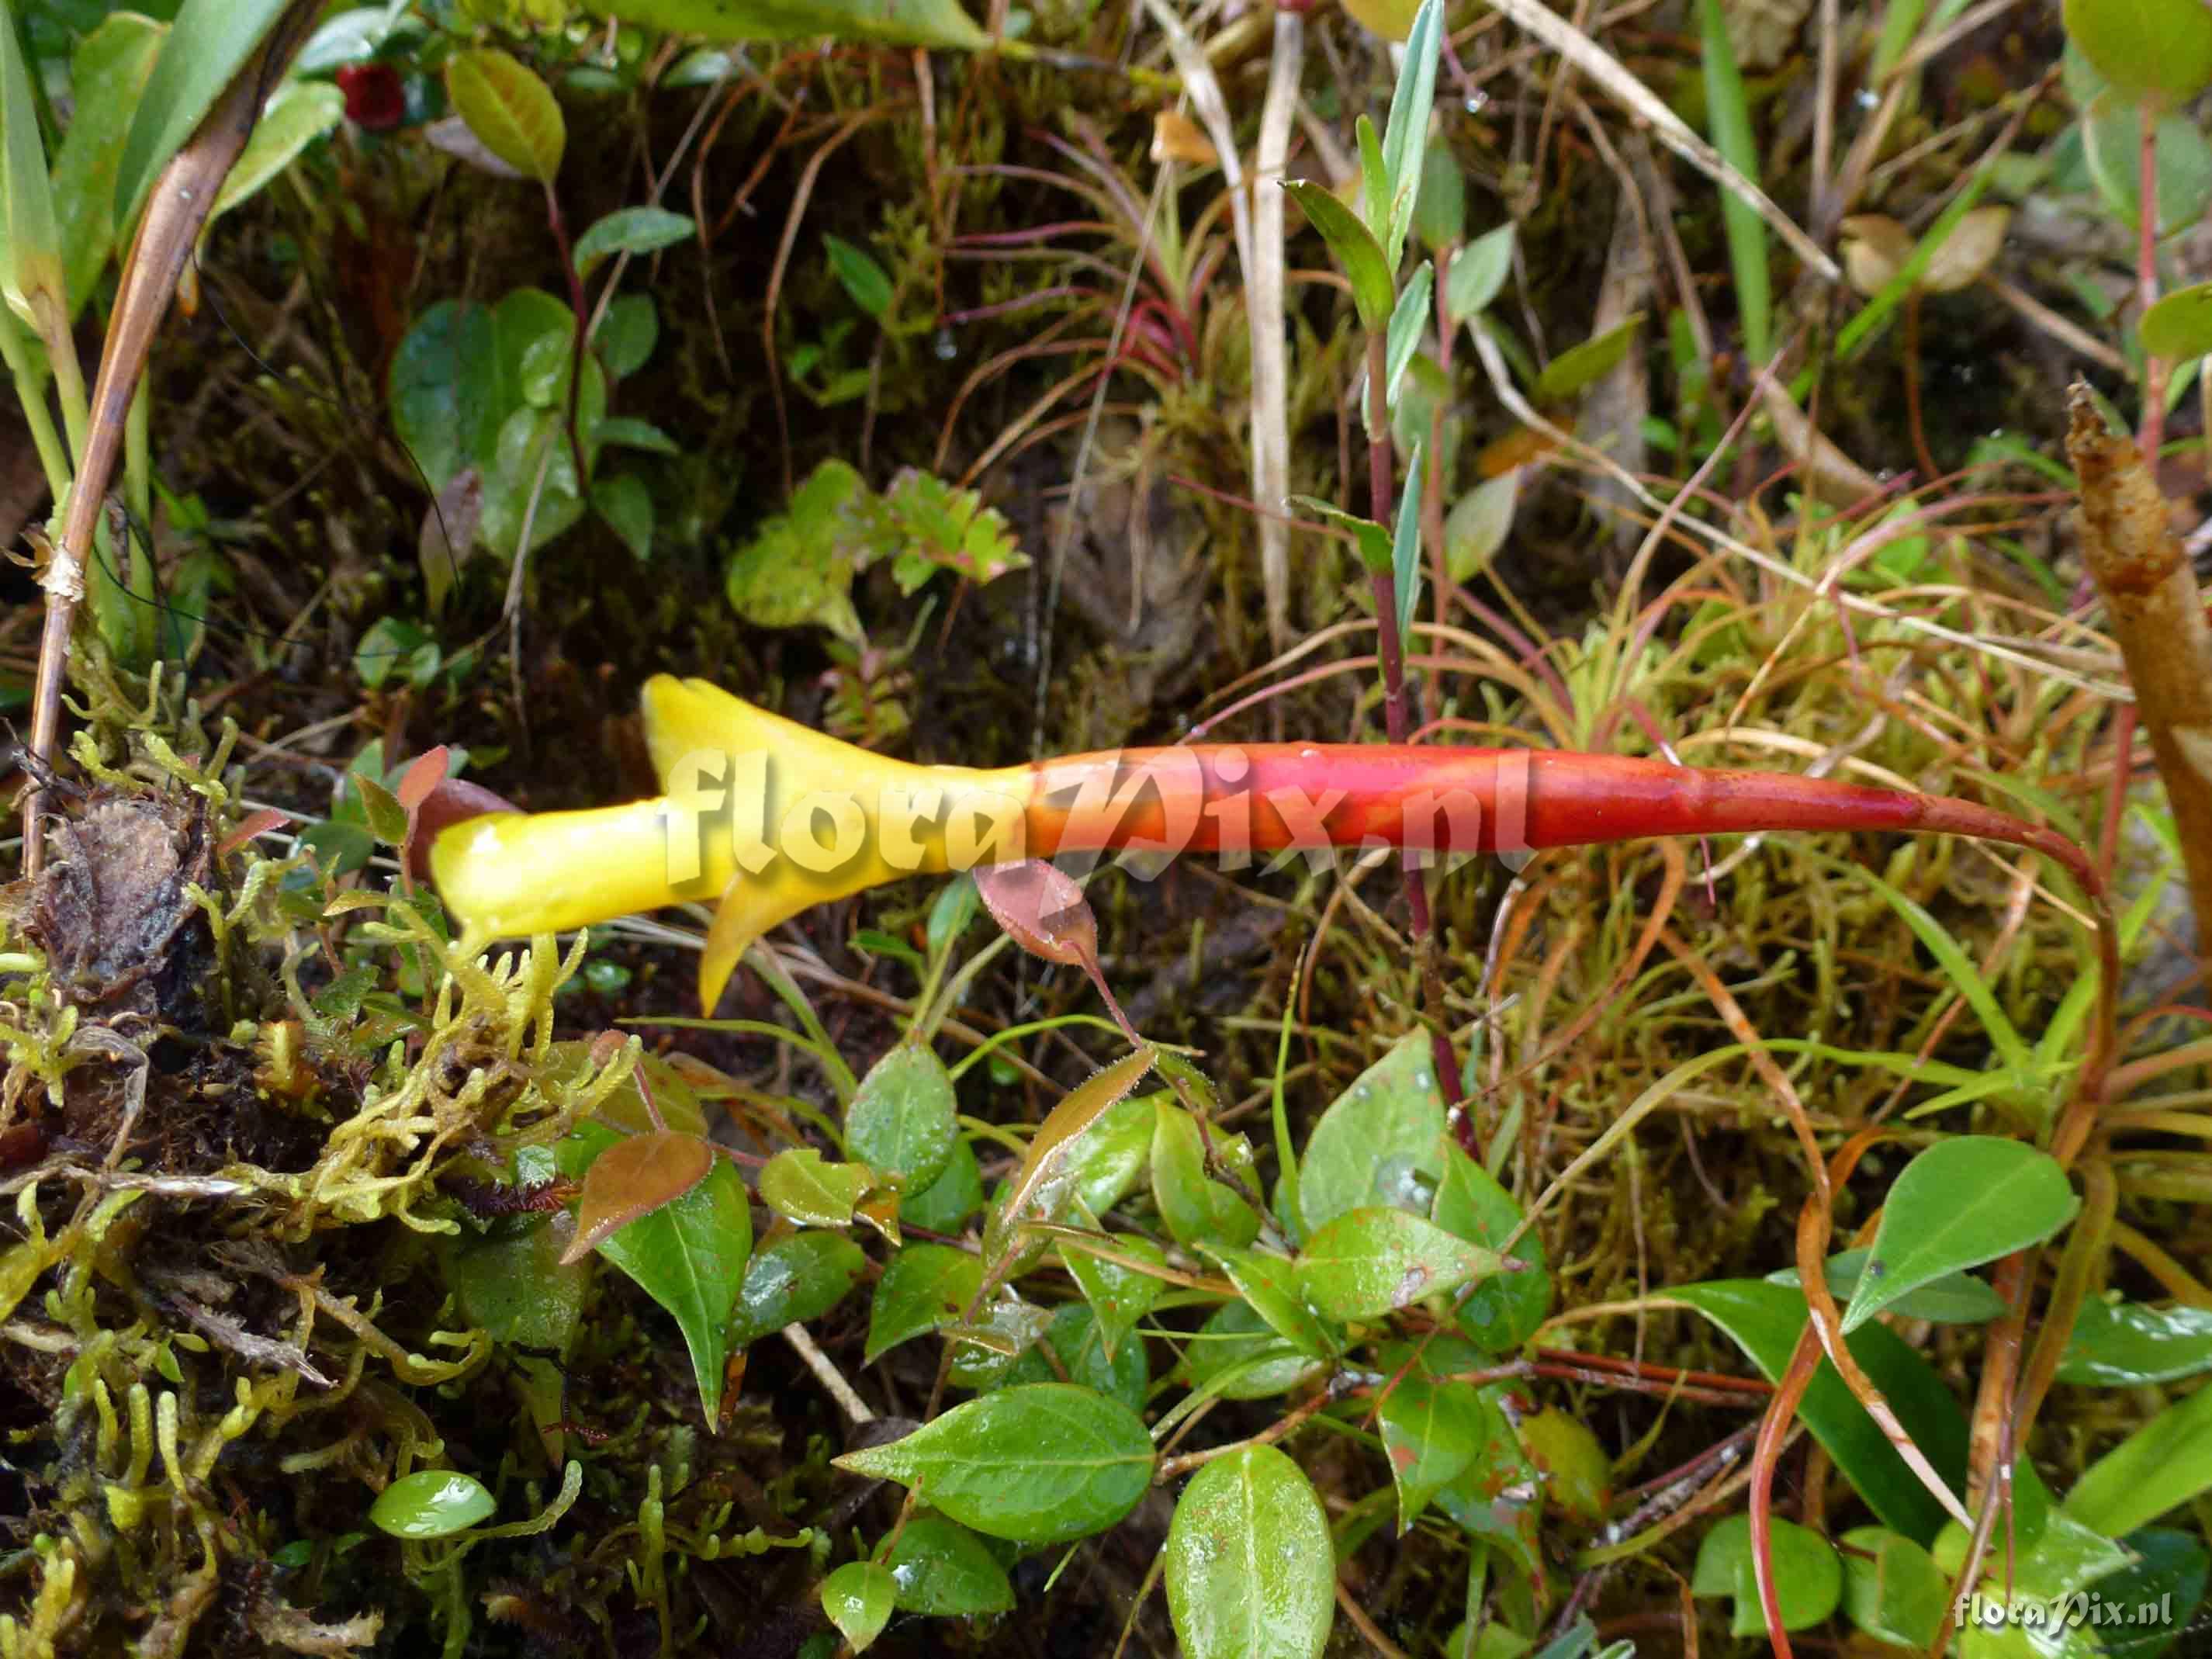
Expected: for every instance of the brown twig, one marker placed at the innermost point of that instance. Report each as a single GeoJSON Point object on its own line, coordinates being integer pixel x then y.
{"type": "Point", "coordinates": [176, 208]}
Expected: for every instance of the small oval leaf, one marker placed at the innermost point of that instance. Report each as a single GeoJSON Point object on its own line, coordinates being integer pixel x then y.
{"type": "Point", "coordinates": [1250, 1572]}
{"type": "Point", "coordinates": [630, 230]}
{"type": "Point", "coordinates": [1042, 908]}
{"type": "Point", "coordinates": [431, 1504]}
{"type": "Point", "coordinates": [1369, 1262]}
{"type": "Point", "coordinates": [2180, 325]}
{"type": "Point", "coordinates": [1039, 1464]}
{"type": "Point", "coordinates": [632, 1178]}
{"type": "Point", "coordinates": [859, 1598]}
{"type": "Point", "coordinates": [512, 111]}
{"type": "Point", "coordinates": [1963, 1201]}
{"type": "Point", "coordinates": [903, 1119]}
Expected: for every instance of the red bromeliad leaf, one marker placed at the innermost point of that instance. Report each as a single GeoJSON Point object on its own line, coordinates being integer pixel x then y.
{"type": "Point", "coordinates": [1042, 908]}
{"type": "Point", "coordinates": [633, 1178]}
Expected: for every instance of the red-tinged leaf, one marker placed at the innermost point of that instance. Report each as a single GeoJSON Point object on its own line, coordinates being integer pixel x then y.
{"type": "Point", "coordinates": [633, 1178]}
{"type": "Point", "coordinates": [450, 801]}
{"type": "Point", "coordinates": [1043, 911]}
{"type": "Point", "coordinates": [424, 773]}
{"type": "Point", "coordinates": [258, 823]}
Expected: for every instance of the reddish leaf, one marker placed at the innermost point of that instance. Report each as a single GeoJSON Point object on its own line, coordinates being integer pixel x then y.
{"type": "Point", "coordinates": [266, 819]}
{"type": "Point", "coordinates": [633, 1178]}
{"type": "Point", "coordinates": [424, 773]}
{"type": "Point", "coordinates": [1042, 908]}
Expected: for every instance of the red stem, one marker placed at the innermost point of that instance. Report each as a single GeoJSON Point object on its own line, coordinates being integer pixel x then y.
{"type": "Point", "coordinates": [1392, 651]}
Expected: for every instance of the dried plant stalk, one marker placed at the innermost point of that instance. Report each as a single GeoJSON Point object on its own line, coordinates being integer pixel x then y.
{"type": "Point", "coordinates": [2158, 619]}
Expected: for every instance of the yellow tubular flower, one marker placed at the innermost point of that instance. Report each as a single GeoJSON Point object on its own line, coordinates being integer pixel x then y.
{"type": "Point", "coordinates": [768, 815]}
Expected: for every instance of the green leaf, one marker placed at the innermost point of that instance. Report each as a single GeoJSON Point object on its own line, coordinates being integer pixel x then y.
{"type": "Point", "coordinates": [1374, 181]}
{"type": "Point", "coordinates": [924, 1286]}
{"type": "Point", "coordinates": [932, 526]}
{"type": "Point", "coordinates": [945, 1204]}
{"type": "Point", "coordinates": [624, 502]}
{"type": "Point", "coordinates": [1406, 546]}
{"type": "Point", "coordinates": [1765, 1321]}
{"type": "Point", "coordinates": [903, 1119]}
{"type": "Point", "coordinates": [1048, 1179]}
{"type": "Point", "coordinates": [1892, 1588]}
{"type": "Point", "coordinates": [1078, 1342]}
{"type": "Point", "coordinates": [1582, 365]}
{"type": "Point", "coordinates": [1113, 1156]}
{"type": "Point", "coordinates": [1119, 1296]}
{"type": "Point", "coordinates": [1198, 1209]}
{"type": "Point", "coordinates": [1809, 1578]}
{"type": "Point", "coordinates": [1250, 1571]}
{"type": "Point", "coordinates": [798, 569]}
{"type": "Point", "coordinates": [300, 113]}
{"type": "Point", "coordinates": [797, 1279]}
{"type": "Point", "coordinates": [1373, 292]}
{"type": "Point", "coordinates": [2160, 1466]}
{"type": "Point", "coordinates": [626, 432]}
{"type": "Point", "coordinates": [1369, 1262]}
{"type": "Point", "coordinates": [1039, 1464]}
{"type": "Point", "coordinates": [690, 1256]}
{"type": "Point", "coordinates": [388, 818]}
{"type": "Point", "coordinates": [801, 1186]}
{"type": "Point", "coordinates": [1379, 1141]}
{"type": "Point", "coordinates": [2180, 325]}
{"type": "Point", "coordinates": [431, 1504]}
{"type": "Point", "coordinates": [2156, 52]}
{"type": "Point", "coordinates": [1477, 523]}
{"type": "Point", "coordinates": [632, 230]}
{"type": "Point", "coordinates": [626, 337]}
{"type": "Point", "coordinates": [514, 1286]}
{"type": "Point", "coordinates": [1269, 1284]}
{"type": "Point", "coordinates": [207, 45]}
{"type": "Point", "coordinates": [443, 386]}
{"type": "Point", "coordinates": [1432, 1431]}
{"type": "Point", "coordinates": [892, 22]}
{"type": "Point", "coordinates": [512, 112]}
{"type": "Point", "coordinates": [1238, 1355]}
{"type": "Point", "coordinates": [865, 281]}
{"type": "Point", "coordinates": [391, 646]}
{"type": "Point", "coordinates": [1954, 1298]}
{"type": "Point", "coordinates": [2169, 1573]}
{"type": "Point", "coordinates": [1373, 541]}
{"type": "Point", "coordinates": [108, 77]}
{"type": "Point", "coordinates": [986, 1350]}
{"type": "Point", "coordinates": [2125, 1345]}
{"type": "Point", "coordinates": [1729, 113]}
{"type": "Point", "coordinates": [859, 1598]}
{"type": "Point", "coordinates": [2111, 135]}
{"type": "Point", "coordinates": [1406, 134]}
{"type": "Point", "coordinates": [1440, 203]}
{"type": "Point", "coordinates": [1966, 1200]}
{"type": "Point", "coordinates": [1479, 273]}
{"type": "Point", "coordinates": [940, 1568]}
{"type": "Point", "coordinates": [1504, 1311]}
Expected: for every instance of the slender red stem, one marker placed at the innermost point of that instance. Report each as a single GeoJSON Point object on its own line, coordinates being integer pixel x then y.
{"type": "Point", "coordinates": [1392, 650]}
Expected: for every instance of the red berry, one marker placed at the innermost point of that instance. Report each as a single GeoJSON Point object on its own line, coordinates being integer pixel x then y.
{"type": "Point", "coordinates": [375, 100]}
